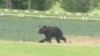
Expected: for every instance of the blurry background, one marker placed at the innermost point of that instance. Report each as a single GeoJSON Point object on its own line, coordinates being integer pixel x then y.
{"type": "Point", "coordinates": [19, 19]}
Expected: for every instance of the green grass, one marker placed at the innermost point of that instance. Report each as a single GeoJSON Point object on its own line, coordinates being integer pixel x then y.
{"type": "Point", "coordinates": [35, 49]}
{"type": "Point", "coordinates": [25, 28]}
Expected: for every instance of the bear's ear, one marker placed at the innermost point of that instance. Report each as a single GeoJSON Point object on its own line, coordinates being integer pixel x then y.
{"type": "Point", "coordinates": [39, 25]}
{"type": "Point", "coordinates": [44, 26]}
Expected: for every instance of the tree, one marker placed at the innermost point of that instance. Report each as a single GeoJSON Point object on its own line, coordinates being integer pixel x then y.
{"type": "Point", "coordinates": [8, 3]}
{"type": "Point", "coordinates": [78, 5]}
{"type": "Point", "coordinates": [42, 5]}
{"type": "Point", "coordinates": [29, 4]}
{"type": "Point", "coordinates": [2, 3]}
{"type": "Point", "coordinates": [19, 4]}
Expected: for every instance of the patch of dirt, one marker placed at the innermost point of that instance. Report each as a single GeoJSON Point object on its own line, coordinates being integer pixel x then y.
{"type": "Point", "coordinates": [71, 40]}
{"type": "Point", "coordinates": [81, 40]}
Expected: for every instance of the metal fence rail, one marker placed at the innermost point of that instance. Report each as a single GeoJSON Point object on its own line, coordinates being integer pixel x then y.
{"type": "Point", "coordinates": [47, 14]}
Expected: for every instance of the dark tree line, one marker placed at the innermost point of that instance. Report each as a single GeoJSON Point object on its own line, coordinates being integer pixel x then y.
{"type": "Point", "coordinates": [42, 5]}
{"type": "Point", "coordinates": [79, 5]}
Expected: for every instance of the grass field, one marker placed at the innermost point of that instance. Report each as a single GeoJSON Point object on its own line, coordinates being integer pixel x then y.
{"type": "Point", "coordinates": [25, 28]}
{"type": "Point", "coordinates": [36, 49]}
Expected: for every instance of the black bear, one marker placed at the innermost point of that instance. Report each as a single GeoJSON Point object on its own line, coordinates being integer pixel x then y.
{"type": "Point", "coordinates": [49, 32]}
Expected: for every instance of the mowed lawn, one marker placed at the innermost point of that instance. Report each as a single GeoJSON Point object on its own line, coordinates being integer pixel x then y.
{"type": "Point", "coordinates": [37, 49]}
{"type": "Point", "coordinates": [26, 28]}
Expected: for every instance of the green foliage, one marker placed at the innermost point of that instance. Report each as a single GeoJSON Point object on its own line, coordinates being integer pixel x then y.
{"type": "Point", "coordinates": [2, 3]}
{"type": "Point", "coordinates": [19, 4]}
{"type": "Point", "coordinates": [78, 5]}
{"type": "Point", "coordinates": [42, 5]}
